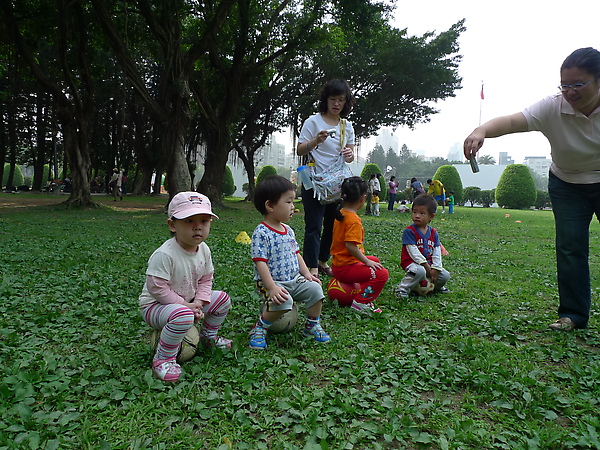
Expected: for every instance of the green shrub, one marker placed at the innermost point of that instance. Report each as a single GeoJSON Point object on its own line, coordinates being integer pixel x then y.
{"type": "Point", "coordinates": [264, 173]}
{"type": "Point", "coordinates": [228, 187]}
{"type": "Point", "coordinates": [402, 195]}
{"type": "Point", "coordinates": [17, 178]}
{"type": "Point", "coordinates": [370, 168]}
{"type": "Point", "coordinates": [516, 188]}
{"type": "Point", "coordinates": [542, 200]}
{"type": "Point", "coordinates": [487, 198]}
{"type": "Point", "coordinates": [450, 178]}
{"type": "Point", "coordinates": [472, 194]}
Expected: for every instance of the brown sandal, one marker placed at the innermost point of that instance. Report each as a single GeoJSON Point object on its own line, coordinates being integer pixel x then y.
{"type": "Point", "coordinates": [325, 270]}
{"type": "Point", "coordinates": [563, 324]}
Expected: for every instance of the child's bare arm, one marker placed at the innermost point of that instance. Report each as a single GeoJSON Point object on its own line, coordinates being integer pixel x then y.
{"type": "Point", "coordinates": [277, 294]}
{"type": "Point", "coordinates": [355, 251]}
{"type": "Point", "coordinates": [305, 271]}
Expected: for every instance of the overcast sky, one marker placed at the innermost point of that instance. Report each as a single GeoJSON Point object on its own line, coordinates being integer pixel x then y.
{"type": "Point", "coordinates": [516, 48]}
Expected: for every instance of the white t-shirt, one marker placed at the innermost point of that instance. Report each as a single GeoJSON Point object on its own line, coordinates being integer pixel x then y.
{"type": "Point", "coordinates": [182, 269]}
{"type": "Point", "coordinates": [327, 152]}
{"type": "Point", "coordinates": [574, 138]}
{"type": "Point", "coordinates": [376, 184]}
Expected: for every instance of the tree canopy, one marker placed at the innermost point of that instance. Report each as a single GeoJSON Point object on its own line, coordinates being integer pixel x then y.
{"type": "Point", "coordinates": [161, 87]}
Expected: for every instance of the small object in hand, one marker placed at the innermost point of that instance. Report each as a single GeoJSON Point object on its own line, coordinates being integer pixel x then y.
{"type": "Point", "coordinates": [331, 132]}
{"type": "Point", "coordinates": [474, 165]}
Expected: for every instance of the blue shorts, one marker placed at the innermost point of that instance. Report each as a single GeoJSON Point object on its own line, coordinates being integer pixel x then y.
{"type": "Point", "coordinates": [440, 198]}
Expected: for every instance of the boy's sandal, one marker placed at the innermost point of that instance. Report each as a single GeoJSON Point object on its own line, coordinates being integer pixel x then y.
{"type": "Point", "coordinates": [563, 324]}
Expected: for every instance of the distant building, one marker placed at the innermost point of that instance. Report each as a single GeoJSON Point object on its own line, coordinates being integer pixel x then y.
{"type": "Point", "coordinates": [387, 140]}
{"type": "Point", "coordinates": [504, 159]}
{"type": "Point", "coordinates": [538, 164]}
{"type": "Point", "coordinates": [456, 153]}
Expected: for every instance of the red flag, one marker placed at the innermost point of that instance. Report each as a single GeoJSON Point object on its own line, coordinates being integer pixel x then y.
{"type": "Point", "coordinates": [482, 96]}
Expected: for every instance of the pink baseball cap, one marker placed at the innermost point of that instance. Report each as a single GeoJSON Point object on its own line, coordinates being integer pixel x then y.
{"type": "Point", "coordinates": [186, 204]}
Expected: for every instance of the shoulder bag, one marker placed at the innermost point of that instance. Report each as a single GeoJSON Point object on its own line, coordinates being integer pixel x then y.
{"type": "Point", "coordinates": [327, 185]}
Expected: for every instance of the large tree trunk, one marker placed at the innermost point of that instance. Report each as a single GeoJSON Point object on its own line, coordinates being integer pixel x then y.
{"type": "Point", "coordinates": [78, 155]}
{"type": "Point", "coordinates": [218, 146]}
{"type": "Point", "coordinates": [40, 154]}
{"type": "Point", "coordinates": [178, 173]}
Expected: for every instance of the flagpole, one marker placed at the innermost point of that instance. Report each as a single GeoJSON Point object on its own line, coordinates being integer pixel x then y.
{"type": "Point", "coordinates": [481, 102]}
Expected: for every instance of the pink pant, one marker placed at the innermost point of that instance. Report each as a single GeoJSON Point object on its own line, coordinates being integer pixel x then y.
{"type": "Point", "coordinates": [175, 320]}
{"type": "Point", "coordinates": [371, 281]}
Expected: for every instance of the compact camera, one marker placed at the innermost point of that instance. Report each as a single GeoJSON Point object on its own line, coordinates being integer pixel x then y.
{"type": "Point", "coordinates": [331, 133]}
{"type": "Point", "coordinates": [474, 165]}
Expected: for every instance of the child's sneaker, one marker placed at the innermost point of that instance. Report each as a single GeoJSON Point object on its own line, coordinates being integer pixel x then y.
{"type": "Point", "coordinates": [314, 329]}
{"type": "Point", "coordinates": [218, 341]}
{"type": "Point", "coordinates": [166, 369]}
{"type": "Point", "coordinates": [258, 337]}
{"type": "Point", "coordinates": [444, 290]}
{"type": "Point", "coordinates": [401, 292]}
{"type": "Point", "coordinates": [365, 308]}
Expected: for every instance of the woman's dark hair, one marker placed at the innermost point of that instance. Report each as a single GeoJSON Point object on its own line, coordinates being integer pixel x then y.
{"type": "Point", "coordinates": [353, 189]}
{"type": "Point", "coordinates": [413, 179]}
{"type": "Point", "coordinates": [392, 178]}
{"type": "Point", "coordinates": [426, 200]}
{"type": "Point", "coordinates": [587, 59]}
{"type": "Point", "coordinates": [271, 189]}
{"type": "Point", "coordinates": [336, 87]}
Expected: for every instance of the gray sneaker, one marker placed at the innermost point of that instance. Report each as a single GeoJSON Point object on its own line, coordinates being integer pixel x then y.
{"type": "Point", "coordinates": [401, 292]}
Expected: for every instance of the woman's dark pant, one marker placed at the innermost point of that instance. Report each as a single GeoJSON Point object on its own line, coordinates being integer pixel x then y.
{"type": "Point", "coordinates": [392, 200]}
{"type": "Point", "coordinates": [318, 229]}
{"type": "Point", "coordinates": [574, 206]}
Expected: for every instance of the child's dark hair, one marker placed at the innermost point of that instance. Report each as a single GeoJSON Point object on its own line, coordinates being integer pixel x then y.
{"type": "Point", "coordinates": [336, 87]}
{"type": "Point", "coordinates": [271, 189]}
{"type": "Point", "coordinates": [353, 189]}
{"type": "Point", "coordinates": [426, 200]}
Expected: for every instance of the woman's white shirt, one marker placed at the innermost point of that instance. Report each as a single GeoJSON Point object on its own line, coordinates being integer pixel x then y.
{"type": "Point", "coordinates": [327, 152]}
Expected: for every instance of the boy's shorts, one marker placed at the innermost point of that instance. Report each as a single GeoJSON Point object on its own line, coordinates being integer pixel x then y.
{"type": "Point", "coordinates": [440, 198]}
{"type": "Point", "coordinates": [299, 289]}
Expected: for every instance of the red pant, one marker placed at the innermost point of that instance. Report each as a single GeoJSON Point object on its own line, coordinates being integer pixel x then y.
{"type": "Point", "coordinates": [371, 281]}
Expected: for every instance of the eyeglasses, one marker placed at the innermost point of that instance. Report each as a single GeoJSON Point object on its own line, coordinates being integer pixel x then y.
{"type": "Point", "coordinates": [575, 87]}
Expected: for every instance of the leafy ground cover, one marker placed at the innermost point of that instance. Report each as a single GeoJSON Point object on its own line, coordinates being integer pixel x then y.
{"type": "Point", "coordinates": [473, 369]}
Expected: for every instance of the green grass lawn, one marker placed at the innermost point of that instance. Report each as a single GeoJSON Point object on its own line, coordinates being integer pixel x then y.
{"type": "Point", "coordinates": [474, 369]}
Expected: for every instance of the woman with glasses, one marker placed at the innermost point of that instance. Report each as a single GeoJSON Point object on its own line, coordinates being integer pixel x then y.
{"type": "Point", "coordinates": [571, 123]}
{"type": "Point", "coordinates": [321, 142]}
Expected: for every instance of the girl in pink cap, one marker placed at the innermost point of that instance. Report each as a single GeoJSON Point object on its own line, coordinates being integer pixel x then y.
{"type": "Point", "coordinates": [178, 289]}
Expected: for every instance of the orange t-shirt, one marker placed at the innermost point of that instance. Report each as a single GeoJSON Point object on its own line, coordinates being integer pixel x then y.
{"type": "Point", "coordinates": [348, 230]}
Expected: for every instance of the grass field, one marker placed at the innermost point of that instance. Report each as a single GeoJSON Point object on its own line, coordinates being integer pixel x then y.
{"type": "Point", "coordinates": [474, 369]}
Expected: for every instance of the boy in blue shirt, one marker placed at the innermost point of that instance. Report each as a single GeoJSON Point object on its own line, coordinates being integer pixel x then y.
{"type": "Point", "coordinates": [280, 272]}
{"type": "Point", "coordinates": [421, 249]}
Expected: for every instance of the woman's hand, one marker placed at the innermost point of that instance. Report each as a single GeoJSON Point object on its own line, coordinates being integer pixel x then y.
{"type": "Point", "coordinates": [473, 143]}
{"type": "Point", "coordinates": [348, 153]}
{"type": "Point", "coordinates": [322, 136]}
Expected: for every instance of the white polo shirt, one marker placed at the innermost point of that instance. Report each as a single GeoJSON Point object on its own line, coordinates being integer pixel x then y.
{"type": "Point", "coordinates": [574, 138]}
